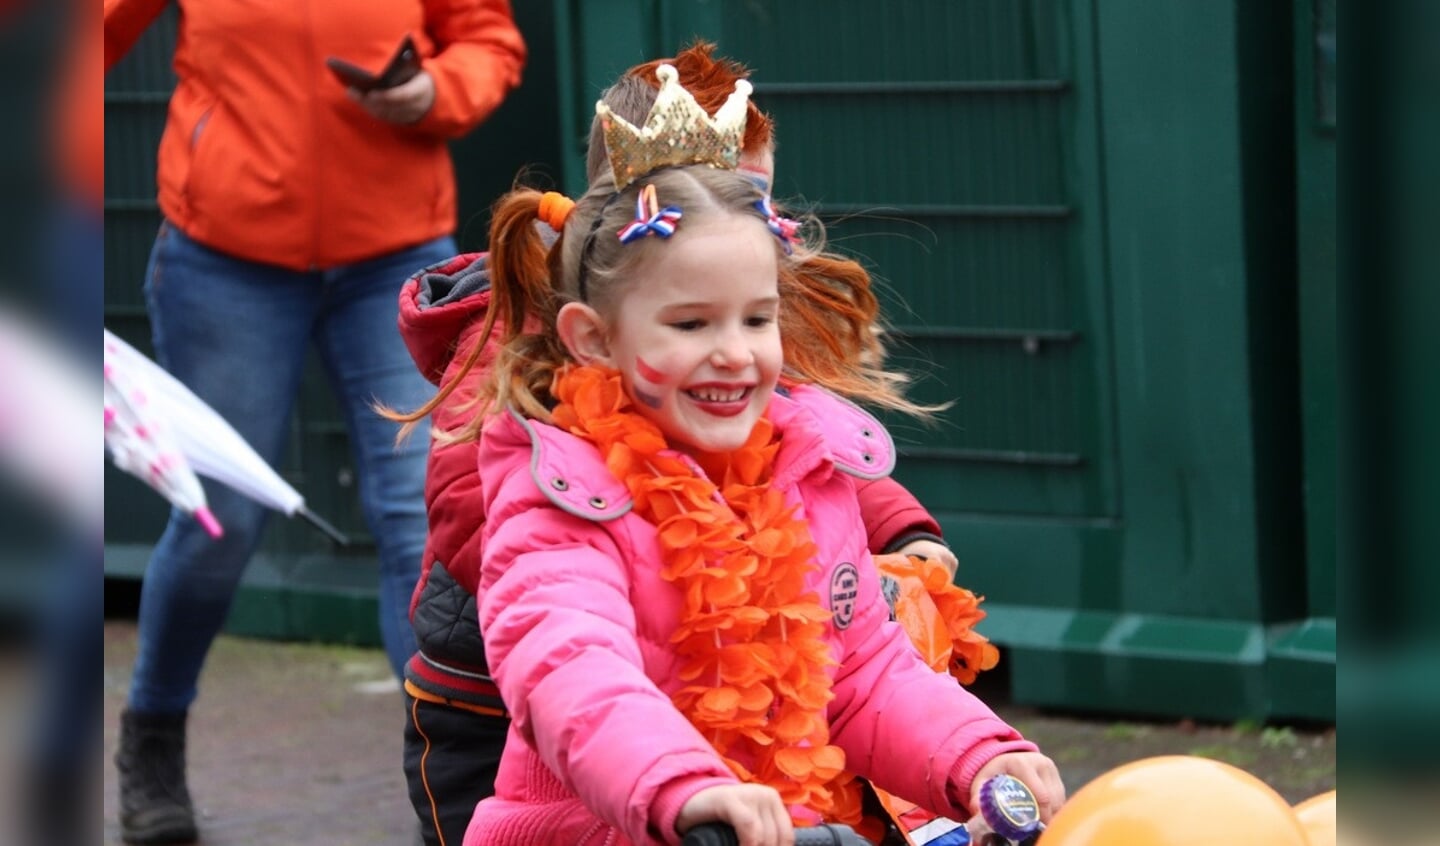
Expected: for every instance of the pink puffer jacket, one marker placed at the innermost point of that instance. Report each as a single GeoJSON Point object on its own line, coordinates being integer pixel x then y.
{"type": "Point", "coordinates": [577, 621]}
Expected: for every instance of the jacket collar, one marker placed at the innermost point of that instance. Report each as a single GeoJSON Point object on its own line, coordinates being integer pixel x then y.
{"type": "Point", "coordinates": [823, 430]}
{"type": "Point", "coordinates": [437, 304]}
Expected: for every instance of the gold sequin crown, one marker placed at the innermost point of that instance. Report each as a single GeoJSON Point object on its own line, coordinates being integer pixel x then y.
{"type": "Point", "coordinates": [676, 132]}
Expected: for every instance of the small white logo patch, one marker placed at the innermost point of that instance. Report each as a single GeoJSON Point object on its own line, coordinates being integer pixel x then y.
{"type": "Point", "coordinates": [844, 587]}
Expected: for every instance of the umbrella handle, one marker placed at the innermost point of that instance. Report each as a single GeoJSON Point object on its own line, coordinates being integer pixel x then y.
{"type": "Point", "coordinates": [338, 537]}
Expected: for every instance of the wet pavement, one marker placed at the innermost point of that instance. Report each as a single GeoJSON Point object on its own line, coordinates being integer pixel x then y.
{"type": "Point", "coordinates": [288, 744]}
{"type": "Point", "coordinates": [300, 744]}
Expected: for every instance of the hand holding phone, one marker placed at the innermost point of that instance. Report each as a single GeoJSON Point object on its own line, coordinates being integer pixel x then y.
{"type": "Point", "coordinates": [404, 64]}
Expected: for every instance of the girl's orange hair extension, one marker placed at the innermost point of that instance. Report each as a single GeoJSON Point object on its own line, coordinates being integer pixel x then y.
{"type": "Point", "coordinates": [710, 81]}
{"type": "Point", "coordinates": [829, 320]}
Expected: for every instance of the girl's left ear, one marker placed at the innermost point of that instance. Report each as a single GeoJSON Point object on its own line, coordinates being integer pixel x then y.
{"type": "Point", "coordinates": [582, 331]}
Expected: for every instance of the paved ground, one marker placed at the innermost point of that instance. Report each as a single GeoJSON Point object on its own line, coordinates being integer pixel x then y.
{"type": "Point", "coordinates": [289, 744]}
{"type": "Point", "coordinates": [300, 744]}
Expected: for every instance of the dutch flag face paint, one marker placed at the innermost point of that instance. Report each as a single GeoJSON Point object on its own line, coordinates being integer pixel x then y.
{"type": "Point", "coordinates": [655, 378]}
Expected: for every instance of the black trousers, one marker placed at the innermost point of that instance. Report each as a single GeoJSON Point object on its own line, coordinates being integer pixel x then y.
{"type": "Point", "coordinates": [451, 758]}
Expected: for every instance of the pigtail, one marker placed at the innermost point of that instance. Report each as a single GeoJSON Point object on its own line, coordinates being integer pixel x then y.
{"type": "Point", "coordinates": [833, 311]}
{"type": "Point", "coordinates": [523, 296]}
{"type": "Point", "coordinates": [522, 302]}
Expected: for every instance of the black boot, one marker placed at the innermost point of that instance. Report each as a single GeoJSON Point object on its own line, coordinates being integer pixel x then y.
{"type": "Point", "coordinates": [154, 801]}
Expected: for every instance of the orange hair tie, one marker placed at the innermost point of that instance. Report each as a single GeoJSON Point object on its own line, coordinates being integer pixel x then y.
{"type": "Point", "coordinates": [555, 209]}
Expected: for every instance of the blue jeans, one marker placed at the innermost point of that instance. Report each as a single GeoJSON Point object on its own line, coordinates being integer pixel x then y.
{"type": "Point", "coordinates": [237, 334]}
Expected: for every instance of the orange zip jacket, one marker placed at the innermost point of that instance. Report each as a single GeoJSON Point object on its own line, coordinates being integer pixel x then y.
{"type": "Point", "coordinates": [265, 158]}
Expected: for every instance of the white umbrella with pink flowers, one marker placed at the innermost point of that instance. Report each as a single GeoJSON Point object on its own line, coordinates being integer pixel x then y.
{"type": "Point", "coordinates": [202, 438]}
{"type": "Point", "coordinates": [139, 442]}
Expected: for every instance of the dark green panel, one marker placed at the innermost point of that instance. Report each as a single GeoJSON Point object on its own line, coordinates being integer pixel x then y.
{"type": "Point", "coordinates": [1302, 669]}
{"type": "Point", "coordinates": [929, 149]}
{"type": "Point", "coordinates": [137, 93]}
{"type": "Point", "coordinates": [1039, 562]}
{"type": "Point", "coordinates": [134, 122]}
{"type": "Point", "coordinates": [1271, 319]}
{"type": "Point", "coordinates": [981, 486]}
{"type": "Point", "coordinates": [1208, 682]}
{"type": "Point", "coordinates": [1011, 443]}
{"type": "Point", "coordinates": [1181, 289]}
{"type": "Point", "coordinates": [522, 134]}
{"type": "Point", "coordinates": [1409, 343]}
{"type": "Point", "coordinates": [596, 41]}
{"type": "Point", "coordinates": [327, 598]}
{"type": "Point", "coordinates": [287, 597]}
{"type": "Point", "coordinates": [1316, 209]}
{"type": "Point", "coordinates": [855, 40]}
{"type": "Point", "coordinates": [128, 236]}
{"type": "Point", "coordinates": [976, 272]}
{"type": "Point", "coordinates": [1006, 399]}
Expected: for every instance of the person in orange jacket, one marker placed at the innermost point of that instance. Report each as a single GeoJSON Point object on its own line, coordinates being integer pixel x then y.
{"type": "Point", "coordinates": [294, 206]}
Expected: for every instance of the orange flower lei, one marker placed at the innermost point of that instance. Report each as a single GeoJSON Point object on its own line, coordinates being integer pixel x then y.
{"type": "Point", "coordinates": [961, 650]}
{"type": "Point", "coordinates": [751, 639]}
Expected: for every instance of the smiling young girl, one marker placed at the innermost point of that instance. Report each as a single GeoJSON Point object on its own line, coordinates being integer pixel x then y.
{"type": "Point", "coordinates": [676, 596]}
{"type": "Point", "coordinates": [457, 722]}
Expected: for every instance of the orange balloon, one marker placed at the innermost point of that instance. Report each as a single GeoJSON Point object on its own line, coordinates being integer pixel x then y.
{"type": "Point", "coordinates": [1317, 815]}
{"type": "Point", "coordinates": [1175, 800]}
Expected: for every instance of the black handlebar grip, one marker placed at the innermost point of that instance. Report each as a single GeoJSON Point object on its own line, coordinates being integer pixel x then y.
{"type": "Point", "coordinates": [720, 834]}
{"type": "Point", "coordinates": [710, 834]}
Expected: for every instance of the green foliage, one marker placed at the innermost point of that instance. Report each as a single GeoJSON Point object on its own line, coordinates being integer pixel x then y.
{"type": "Point", "coordinates": [1278, 737]}
{"type": "Point", "coordinates": [1238, 756]}
{"type": "Point", "coordinates": [1121, 732]}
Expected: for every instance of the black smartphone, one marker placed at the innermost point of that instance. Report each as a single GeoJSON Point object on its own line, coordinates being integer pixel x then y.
{"type": "Point", "coordinates": [401, 68]}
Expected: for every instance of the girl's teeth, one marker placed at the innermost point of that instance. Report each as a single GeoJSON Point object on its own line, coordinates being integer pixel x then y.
{"type": "Point", "coordinates": [717, 396]}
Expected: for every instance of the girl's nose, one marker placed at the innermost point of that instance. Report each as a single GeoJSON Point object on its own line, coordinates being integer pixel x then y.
{"type": "Point", "coordinates": [731, 351]}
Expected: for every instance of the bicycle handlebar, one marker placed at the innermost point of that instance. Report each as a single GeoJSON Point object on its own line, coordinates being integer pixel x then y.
{"type": "Point", "coordinates": [1006, 805]}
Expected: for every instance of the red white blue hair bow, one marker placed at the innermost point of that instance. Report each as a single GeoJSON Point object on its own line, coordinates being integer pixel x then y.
{"type": "Point", "coordinates": [783, 227]}
{"type": "Point", "coordinates": [649, 218]}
